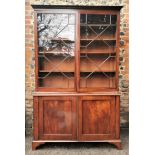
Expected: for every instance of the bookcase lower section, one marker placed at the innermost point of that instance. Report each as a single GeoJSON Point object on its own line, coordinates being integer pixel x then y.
{"type": "Point", "coordinates": [76, 118]}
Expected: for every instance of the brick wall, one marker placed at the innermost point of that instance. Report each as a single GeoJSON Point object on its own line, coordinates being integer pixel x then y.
{"type": "Point", "coordinates": [29, 54]}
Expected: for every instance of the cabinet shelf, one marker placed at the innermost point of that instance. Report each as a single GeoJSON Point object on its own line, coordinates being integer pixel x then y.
{"type": "Point", "coordinates": [82, 71]}
{"type": "Point", "coordinates": [57, 54]}
{"type": "Point", "coordinates": [58, 40]}
{"type": "Point", "coordinates": [52, 52]}
{"type": "Point", "coordinates": [98, 51]}
{"type": "Point", "coordinates": [98, 25]}
{"type": "Point", "coordinates": [47, 71]}
{"type": "Point", "coordinates": [99, 39]}
{"type": "Point", "coordinates": [105, 71]}
{"type": "Point", "coordinates": [105, 37]}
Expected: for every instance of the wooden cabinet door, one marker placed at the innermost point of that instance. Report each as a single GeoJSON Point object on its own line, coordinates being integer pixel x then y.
{"type": "Point", "coordinates": [97, 117]}
{"type": "Point", "coordinates": [57, 118]}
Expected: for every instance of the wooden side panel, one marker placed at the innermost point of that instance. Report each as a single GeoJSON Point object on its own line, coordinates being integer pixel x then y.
{"type": "Point", "coordinates": [35, 118]}
{"type": "Point", "coordinates": [57, 118]}
{"type": "Point", "coordinates": [118, 117]}
{"type": "Point", "coordinates": [97, 119]}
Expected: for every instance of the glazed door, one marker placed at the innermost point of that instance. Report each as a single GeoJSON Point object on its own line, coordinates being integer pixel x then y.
{"type": "Point", "coordinates": [97, 118]}
{"type": "Point", "coordinates": [55, 66]}
{"type": "Point", "coordinates": [57, 118]}
{"type": "Point", "coordinates": [98, 51]}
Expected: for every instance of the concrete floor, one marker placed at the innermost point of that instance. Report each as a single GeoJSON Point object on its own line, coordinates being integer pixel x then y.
{"type": "Point", "coordinates": [79, 148]}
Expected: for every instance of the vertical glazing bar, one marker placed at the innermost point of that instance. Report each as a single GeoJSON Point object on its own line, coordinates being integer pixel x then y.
{"type": "Point", "coordinates": [68, 82]}
{"type": "Point", "coordinates": [110, 19]}
{"type": "Point", "coordinates": [77, 51]}
{"type": "Point", "coordinates": [87, 33]}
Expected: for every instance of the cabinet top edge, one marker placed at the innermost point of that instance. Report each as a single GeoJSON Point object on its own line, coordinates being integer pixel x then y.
{"type": "Point", "coordinates": [75, 94]}
{"type": "Point", "coordinates": [78, 7]}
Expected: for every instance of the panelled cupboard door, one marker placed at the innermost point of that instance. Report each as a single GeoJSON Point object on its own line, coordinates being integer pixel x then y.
{"type": "Point", "coordinates": [97, 119]}
{"type": "Point", "coordinates": [57, 118]}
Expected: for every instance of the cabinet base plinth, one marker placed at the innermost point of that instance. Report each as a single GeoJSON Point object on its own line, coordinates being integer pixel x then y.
{"type": "Point", "coordinates": [36, 144]}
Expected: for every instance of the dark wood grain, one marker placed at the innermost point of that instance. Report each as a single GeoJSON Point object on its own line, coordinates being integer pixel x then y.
{"type": "Point", "coordinates": [57, 118]}
{"type": "Point", "coordinates": [96, 117]}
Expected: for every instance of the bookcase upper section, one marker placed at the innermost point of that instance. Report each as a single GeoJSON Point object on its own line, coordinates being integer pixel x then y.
{"type": "Point", "coordinates": [76, 50]}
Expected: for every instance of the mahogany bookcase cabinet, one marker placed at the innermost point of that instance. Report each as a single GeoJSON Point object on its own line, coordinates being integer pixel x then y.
{"type": "Point", "coordinates": [76, 96]}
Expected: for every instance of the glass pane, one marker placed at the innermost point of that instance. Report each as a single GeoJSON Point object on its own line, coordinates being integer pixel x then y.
{"type": "Point", "coordinates": [83, 18]}
{"type": "Point", "coordinates": [98, 19]}
{"type": "Point", "coordinates": [56, 47]}
{"type": "Point", "coordinates": [97, 51]}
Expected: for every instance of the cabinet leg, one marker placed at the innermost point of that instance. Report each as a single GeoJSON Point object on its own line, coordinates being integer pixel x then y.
{"type": "Point", "coordinates": [36, 144]}
{"type": "Point", "coordinates": [117, 144]}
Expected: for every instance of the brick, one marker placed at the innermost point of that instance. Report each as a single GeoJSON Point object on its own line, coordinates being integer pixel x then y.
{"type": "Point", "coordinates": [28, 36]}
{"type": "Point", "coordinates": [27, 3]}
{"type": "Point", "coordinates": [27, 22]}
{"type": "Point", "coordinates": [28, 131]}
{"type": "Point", "coordinates": [29, 105]}
{"type": "Point", "coordinates": [28, 17]}
{"type": "Point", "coordinates": [29, 26]}
{"type": "Point", "coordinates": [121, 42]}
{"type": "Point", "coordinates": [28, 7]}
{"type": "Point", "coordinates": [29, 46]}
{"type": "Point", "coordinates": [28, 12]}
